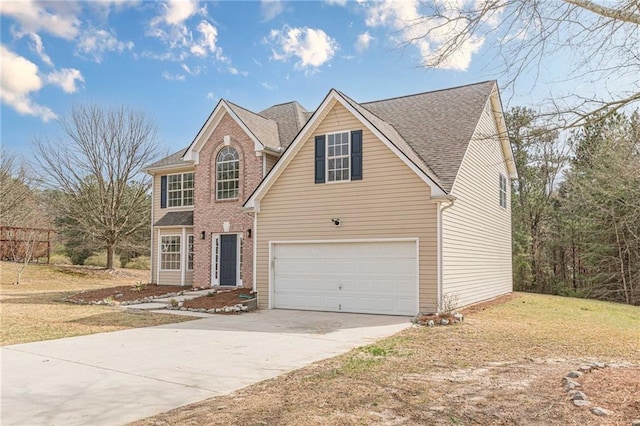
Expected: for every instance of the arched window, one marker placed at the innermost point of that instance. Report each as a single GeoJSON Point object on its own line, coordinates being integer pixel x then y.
{"type": "Point", "coordinates": [227, 174]}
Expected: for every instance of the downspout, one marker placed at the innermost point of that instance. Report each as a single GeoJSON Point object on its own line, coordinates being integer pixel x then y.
{"type": "Point", "coordinates": [450, 199]}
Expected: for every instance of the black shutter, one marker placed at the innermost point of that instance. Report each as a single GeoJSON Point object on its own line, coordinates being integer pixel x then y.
{"type": "Point", "coordinates": [163, 192]}
{"type": "Point", "coordinates": [320, 160]}
{"type": "Point", "coordinates": [356, 155]}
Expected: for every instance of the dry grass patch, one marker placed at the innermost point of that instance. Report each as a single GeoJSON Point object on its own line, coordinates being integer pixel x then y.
{"type": "Point", "coordinates": [503, 366]}
{"type": "Point", "coordinates": [35, 310]}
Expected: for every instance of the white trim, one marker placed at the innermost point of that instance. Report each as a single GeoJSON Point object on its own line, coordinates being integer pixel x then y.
{"type": "Point", "coordinates": [329, 101]}
{"type": "Point", "coordinates": [151, 240]}
{"type": "Point", "coordinates": [214, 245]}
{"type": "Point", "coordinates": [439, 247]}
{"type": "Point", "coordinates": [183, 256]}
{"type": "Point", "coordinates": [215, 241]}
{"type": "Point", "coordinates": [254, 239]}
{"type": "Point", "coordinates": [193, 152]}
{"type": "Point", "coordinates": [272, 268]}
{"type": "Point", "coordinates": [326, 156]}
{"type": "Point", "coordinates": [160, 251]}
{"type": "Point", "coordinates": [158, 257]}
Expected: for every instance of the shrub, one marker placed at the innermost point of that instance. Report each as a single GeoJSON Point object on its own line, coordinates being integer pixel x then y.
{"type": "Point", "coordinates": [140, 262]}
{"type": "Point", "coordinates": [98, 259]}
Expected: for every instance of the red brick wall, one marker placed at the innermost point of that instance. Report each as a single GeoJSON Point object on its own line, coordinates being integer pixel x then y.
{"type": "Point", "coordinates": [210, 214]}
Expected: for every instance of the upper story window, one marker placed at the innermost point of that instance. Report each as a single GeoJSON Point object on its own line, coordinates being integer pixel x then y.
{"type": "Point", "coordinates": [180, 189]}
{"type": "Point", "coordinates": [227, 174]}
{"type": "Point", "coordinates": [503, 191]}
{"type": "Point", "coordinates": [338, 158]}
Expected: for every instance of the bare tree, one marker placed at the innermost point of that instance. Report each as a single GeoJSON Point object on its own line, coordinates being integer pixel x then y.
{"type": "Point", "coordinates": [14, 190]}
{"type": "Point", "coordinates": [96, 167]}
{"type": "Point", "coordinates": [599, 41]}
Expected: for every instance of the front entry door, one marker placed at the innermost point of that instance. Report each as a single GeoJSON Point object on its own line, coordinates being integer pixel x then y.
{"type": "Point", "coordinates": [228, 259]}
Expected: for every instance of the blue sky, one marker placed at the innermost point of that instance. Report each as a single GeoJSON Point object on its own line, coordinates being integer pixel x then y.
{"type": "Point", "coordinates": [176, 59]}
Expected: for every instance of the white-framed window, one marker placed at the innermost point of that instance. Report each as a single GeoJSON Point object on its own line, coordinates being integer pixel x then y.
{"type": "Point", "coordinates": [190, 252]}
{"type": "Point", "coordinates": [503, 191]}
{"type": "Point", "coordinates": [338, 157]}
{"type": "Point", "coordinates": [227, 174]}
{"type": "Point", "coordinates": [180, 189]}
{"type": "Point", "coordinates": [170, 252]}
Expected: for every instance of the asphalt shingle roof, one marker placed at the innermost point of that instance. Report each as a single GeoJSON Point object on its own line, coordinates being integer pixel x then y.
{"type": "Point", "coordinates": [438, 125]}
{"type": "Point", "coordinates": [176, 219]}
{"type": "Point", "coordinates": [264, 129]}
{"type": "Point", "coordinates": [433, 129]}
{"type": "Point", "coordinates": [290, 117]}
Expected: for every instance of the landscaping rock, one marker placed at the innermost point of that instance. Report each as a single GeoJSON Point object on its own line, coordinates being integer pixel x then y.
{"type": "Point", "coordinates": [580, 403]}
{"type": "Point", "coordinates": [585, 368]}
{"type": "Point", "coordinates": [598, 365]}
{"type": "Point", "coordinates": [635, 422]}
{"type": "Point", "coordinates": [599, 411]}
{"type": "Point", "coordinates": [430, 323]}
{"type": "Point", "coordinates": [573, 374]}
{"type": "Point", "coordinates": [119, 295]}
{"type": "Point", "coordinates": [444, 321]}
{"type": "Point", "coordinates": [212, 311]}
{"type": "Point", "coordinates": [579, 396]}
{"type": "Point", "coordinates": [458, 316]}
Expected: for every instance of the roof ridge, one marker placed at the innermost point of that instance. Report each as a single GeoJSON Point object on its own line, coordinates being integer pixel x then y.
{"type": "Point", "coordinates": [430, 92]}
{"type": "Point", "coordinates": [247, 110]}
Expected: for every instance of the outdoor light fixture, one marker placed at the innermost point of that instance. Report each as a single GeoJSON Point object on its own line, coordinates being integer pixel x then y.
{"type": "Point", "coordinates": [249, 233]}
{"type": "Point", "coordinates": [336, 221]}
{"type": "Point", "coordinates": [203, 235]}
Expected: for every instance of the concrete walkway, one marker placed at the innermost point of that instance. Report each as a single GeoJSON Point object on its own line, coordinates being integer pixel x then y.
{"type": "Point", "coordinates": [115, 378]}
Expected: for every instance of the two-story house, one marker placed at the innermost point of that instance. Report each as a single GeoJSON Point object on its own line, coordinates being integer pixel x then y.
{"type": "Point", "coordinates": [394, 206]}
{"type": "Point", "coordinates": [200, 234]}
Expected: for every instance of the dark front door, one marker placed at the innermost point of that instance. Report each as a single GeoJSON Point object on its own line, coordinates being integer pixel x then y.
{"type": "Point", "coordinates": [228, 259]}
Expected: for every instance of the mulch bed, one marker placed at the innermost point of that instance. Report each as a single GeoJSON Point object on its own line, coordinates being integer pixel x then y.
{"type": "Point", "coordinates": [219, 299]}
{"type": "Point", "coordinates": [126, 293]}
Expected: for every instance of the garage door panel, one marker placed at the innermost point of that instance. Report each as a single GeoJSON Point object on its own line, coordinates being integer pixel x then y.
{"type": "Point", "coordinates": [376, 277]}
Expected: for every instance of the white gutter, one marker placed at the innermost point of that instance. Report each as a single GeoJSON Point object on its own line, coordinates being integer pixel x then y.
{"type": "Point", "coordinates": [440, 209]}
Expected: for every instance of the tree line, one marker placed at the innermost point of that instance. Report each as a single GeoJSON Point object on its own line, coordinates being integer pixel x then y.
{"type": "Point", "coordinates": [576, 207]}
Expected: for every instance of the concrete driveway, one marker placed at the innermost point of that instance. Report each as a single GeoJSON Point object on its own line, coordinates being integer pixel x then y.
{"type": "Point", "coordinates": [115, 378]}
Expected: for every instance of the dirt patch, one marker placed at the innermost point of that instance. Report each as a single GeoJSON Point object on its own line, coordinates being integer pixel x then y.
{"type": "Point", "coordinates": [219, 299]}
{"type": "Point", "coordinates": [616, 389]}
{"type": "Point", "coordinates": [126, 293]}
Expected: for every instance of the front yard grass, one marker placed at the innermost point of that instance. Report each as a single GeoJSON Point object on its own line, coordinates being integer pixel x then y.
{"type": "Point", "coordinates": [503, 366]}
{"type": "Point", "coordinates": [35, 310]}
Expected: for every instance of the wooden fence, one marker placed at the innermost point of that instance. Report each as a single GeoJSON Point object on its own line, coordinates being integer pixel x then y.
{"type": "Point", "coordinates": [17, 243]}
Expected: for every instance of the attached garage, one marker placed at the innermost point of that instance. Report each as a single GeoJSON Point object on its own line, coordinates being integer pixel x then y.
{"type": "Point", "coordinates": [374, 277]}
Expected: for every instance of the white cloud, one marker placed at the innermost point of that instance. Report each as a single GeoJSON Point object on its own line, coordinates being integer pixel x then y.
{"type": "Point", "coordinates": [66, 78]}
{"type": "Point", "coordinates": [56, 18]}
{"type": "Point", "coordinates": [270, 9]}
{"type": "Point", "coordinates": [427, 35]}
{"type": "Point", "coordinates": [235, 71]}
{"type": "Point", "coordinates": [19, 78]}
{"type": "Point", "coordinates": [191, 70]}
{"type": "Point", "coordinates": [172, 77]}
{"type": "Point", "coordinates": [313, 47]}
{"type": "Point", "coordinates": [177, 11]}
{"type": "Point", "coordinates": [336, 2]}
{"type": "Point", "coordinates": [363, 41]}
{"type": "Point", "coordinates": [95, 42]}
{"type": "Point", "coordinates": [207, 42]}
{"type": "Point", "coordinates": [269, 86]}
{"type": "Point", "coordinates": [35, 45]}
{"type": "Point", "coordinates": [211, 95]}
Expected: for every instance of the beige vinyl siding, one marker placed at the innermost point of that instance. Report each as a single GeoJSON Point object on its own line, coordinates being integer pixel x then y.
{"type": "Point", "coordinates": [391, 201]}
{"type": "Point", "coordinates": [271, 160]}
{"type": "Point", "coordinates": [476, 230]}
{"type": "Point", "coordinates": [158, 213]}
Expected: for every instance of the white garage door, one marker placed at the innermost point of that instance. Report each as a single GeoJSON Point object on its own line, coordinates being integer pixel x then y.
{"type": "Point", "coordinates": [363, 277]}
